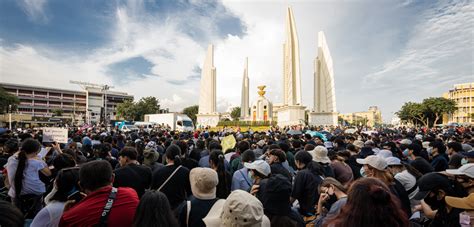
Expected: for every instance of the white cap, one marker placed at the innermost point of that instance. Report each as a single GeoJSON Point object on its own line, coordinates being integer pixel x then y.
{"type": "Point", "coordinates": [467, 169]}
{"type": "Point", "coordinates": [418, 136]}
{"type": "Point", "coordinates": [384, 153]}
{"type": "Point", "coordinates": [405, 141]}
{"type": "Point", "coordinates": [260, 166]}
{"type": "Point", "coordinates": [393, 161]}
{"type": "Point", "coordinates": [373, 161]}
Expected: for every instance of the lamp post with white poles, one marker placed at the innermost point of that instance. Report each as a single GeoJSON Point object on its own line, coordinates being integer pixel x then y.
{"type": "Point", "coordinates": [10, 117]}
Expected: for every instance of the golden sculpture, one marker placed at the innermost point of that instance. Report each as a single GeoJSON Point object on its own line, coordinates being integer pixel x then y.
{"type": "Point", "coordinates": [261, 89]}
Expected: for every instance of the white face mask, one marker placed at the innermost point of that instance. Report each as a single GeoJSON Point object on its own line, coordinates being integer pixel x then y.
{"type": "Point", "coordinates": [464, 161]}
{"type": "Point", "coordinates": [429, 150]}
{"type": "Point", "coordinates": [465, 219]}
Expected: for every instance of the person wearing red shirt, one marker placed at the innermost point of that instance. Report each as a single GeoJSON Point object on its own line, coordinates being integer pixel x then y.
{"type": "Point", "coordinates": [96, 180]}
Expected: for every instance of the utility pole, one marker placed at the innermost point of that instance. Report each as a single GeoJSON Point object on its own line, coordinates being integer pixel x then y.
{"type": "Point", "coordinates": [10, 117]}
{"type": "Point", "coordinates": [103, 87]}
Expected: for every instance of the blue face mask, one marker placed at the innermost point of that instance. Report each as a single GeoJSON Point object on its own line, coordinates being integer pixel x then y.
{"type": "Point", "coordinates": [362, 172]}
{"type": "Point", "coordinates": [405, 153]}
{"type": "Point", "coordinates": [464, 161]}
{"type": "Point", "coordinates": [250, 176]}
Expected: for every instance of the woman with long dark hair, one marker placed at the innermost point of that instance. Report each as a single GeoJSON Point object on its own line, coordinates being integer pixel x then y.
{"type": "Point", "coordinates": [375, 166]}
{"type": "Point", "coordinates": [306, 182]}
{"type": "Point", "coordinates": [154, 210]}
{"type": "Point", "coordinates": [216, 161]}
{"type": "Point", "coordinates": [173, 179]}
{"type": "Point", "coordinates": [66, 186]}
{"type": "Point", "coordinates": [370, 204]}
{"type": "Point", "coordinates": [23, 174]}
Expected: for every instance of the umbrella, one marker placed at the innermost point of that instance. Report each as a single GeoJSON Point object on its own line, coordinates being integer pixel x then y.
{"type": "Point", "coordinates": [327, 134]}
{"type": "Point", "coordinates": [294, 132]}
{"type": "Point", "coordinates": [317, 134]}
{"type": "Point", "coordinates": [370, 132]}
{"type": "Point", "coordinates": [350, 130]}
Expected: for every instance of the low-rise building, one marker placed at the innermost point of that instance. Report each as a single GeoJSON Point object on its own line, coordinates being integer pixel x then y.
{"type": "Point", "coordinates": [463, 95]}
{"type": "Point", "coordinates": [372, 117]}
{"type": "Point", "coordinates": [42, 103]}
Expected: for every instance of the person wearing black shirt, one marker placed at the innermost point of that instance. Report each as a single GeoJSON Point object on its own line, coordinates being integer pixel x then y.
{"type": "Point", "coordinates": [130, 174]}
{"type": "Point", "coordinates": [203, 185]}
{"type": "Point", "coordinates": [439, 161]}
{"type": "Point", "coordinates": [276, 158]}
{"type": "Point", "coordinates": [176, 187]}
{"type": "Point", "coordinates": [416, 161]}
{"type": "Point", "coordinates": [307, 181]}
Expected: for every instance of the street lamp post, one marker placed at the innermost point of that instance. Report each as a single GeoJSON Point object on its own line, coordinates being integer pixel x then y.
{"type": "Point", "coordinates": [10, 117]}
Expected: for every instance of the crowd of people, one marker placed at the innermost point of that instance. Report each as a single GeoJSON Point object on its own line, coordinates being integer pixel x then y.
{"type": "Point", "coordinates": [280, 177]}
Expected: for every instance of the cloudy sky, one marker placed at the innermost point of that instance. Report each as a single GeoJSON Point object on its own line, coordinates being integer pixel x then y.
{"type": "Point", "coordinates": [385, 52]}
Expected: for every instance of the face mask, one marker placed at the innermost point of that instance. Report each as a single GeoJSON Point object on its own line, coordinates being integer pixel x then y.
{"type": "Point", "coordinates": [429, 150]}
{"type": "Point", "coordinates": [405, 153]}
{"type": "Point", "coordinates": [250, 176]}
{"type": "Point", "coordinates": [331, 200]}
{"type": "Point", "coordinates": [464, 219]}
{"type": "Point", "coordinates": [464, 161]}
{"type": "Point", "coordinates": [362, 172]}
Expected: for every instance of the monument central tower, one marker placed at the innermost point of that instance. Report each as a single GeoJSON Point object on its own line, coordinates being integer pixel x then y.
{"type": "Point", "coordinates": [292, 112]}
{"type": "Point", "coordinates": [291, 63]}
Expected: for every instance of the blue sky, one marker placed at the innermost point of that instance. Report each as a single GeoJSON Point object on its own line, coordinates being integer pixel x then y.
{"type": "Point", "coordinates": [384, 52]}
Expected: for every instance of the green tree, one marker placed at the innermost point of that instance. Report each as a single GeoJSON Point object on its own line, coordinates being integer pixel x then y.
{"type": "Point", "coordinates": [7, 99]}
{"type": "Point", "coordinates": [235, 113]}
{"type": "Point", "coordinates": [414, 113]}
{"type": "Point", "coordinates": [57, 112]}
{"type": "Point", "coordinates": [437, 106]}
{"type": "Point", "coordinates": [146, 105]}
{"type": "Point", "coordinates": [191, 111]}
{"type": "Point", "coordinates": [127, 110]}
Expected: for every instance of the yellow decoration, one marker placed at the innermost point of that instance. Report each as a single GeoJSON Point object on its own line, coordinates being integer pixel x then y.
{"type": "Point", "coordinates": [228, 142]}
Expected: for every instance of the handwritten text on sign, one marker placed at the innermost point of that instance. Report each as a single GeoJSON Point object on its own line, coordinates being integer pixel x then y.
{"type": "Point", "coordinates": [55, 135]}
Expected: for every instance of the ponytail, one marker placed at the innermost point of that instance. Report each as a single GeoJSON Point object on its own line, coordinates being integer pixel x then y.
{"type": "Point", "coordinates": [217, 158]}
{"type": "Point", "coordinates": [177, 160]}
{"type": "Point", "coordinates": [19, 172]}
{"type": "Point", "coordinates": [173, 152]}
{"type": "Point", "coordinates": [29, 146]}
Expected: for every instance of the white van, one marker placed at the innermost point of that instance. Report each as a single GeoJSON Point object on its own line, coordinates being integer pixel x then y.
{"type": "Point", "coordinates": [146, 126]}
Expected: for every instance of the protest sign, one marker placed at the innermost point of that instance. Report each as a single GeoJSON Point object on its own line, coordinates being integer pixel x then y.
{"type": "Point", "coordinates": [55, 135]}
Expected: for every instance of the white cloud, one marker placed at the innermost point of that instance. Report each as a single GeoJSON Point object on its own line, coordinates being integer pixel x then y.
{"type": "Point", "coordinates": [384, 53]}
{"type": "Point", "coordinates": [438, 55]}
{"type": "Point", "coordinates": [34, 9]}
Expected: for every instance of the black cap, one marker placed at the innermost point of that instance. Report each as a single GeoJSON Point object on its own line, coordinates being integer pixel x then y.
{"type": "Point", "coordinates": [429, 182]}
{"type": "Point", "coordinates": [469, 154]}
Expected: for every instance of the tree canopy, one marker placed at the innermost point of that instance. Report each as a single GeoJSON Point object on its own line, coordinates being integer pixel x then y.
{"type": "Point", "coordinates": [235, 113]}
{"type": "Point", "coordinates": [191, 111]}
{"type": "Point", "coordinates": [136, 111]}
{"type": "Point", "coordinates": [428, 112]}
{"type": "Point", "coordinates": [7, 99]}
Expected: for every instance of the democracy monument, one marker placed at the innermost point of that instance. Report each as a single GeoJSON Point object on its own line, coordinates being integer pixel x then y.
{"type": "Point", "coordinates": [291, 111]}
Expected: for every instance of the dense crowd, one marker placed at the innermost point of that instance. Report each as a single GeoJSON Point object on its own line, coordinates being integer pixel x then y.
{"type": "Point", "coordinates": [280, 177]}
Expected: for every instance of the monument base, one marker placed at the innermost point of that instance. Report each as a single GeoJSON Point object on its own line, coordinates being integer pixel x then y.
{"type": "Point", "coordinates": [291, 115]}
{"type": "Point", "coordinates": [207, 120]}
{"type": "Point", "coordinates": [322, 118]}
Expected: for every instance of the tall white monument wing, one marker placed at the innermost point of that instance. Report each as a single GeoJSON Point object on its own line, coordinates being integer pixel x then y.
{"type": "Point", "coordinates": [207, 93]}
{"type": "Point", "coordinates": [324, 89]}
{"type": "Point", "coordinates": [291, 63]}
{"type": "Point", "coordinates": [244, 107]}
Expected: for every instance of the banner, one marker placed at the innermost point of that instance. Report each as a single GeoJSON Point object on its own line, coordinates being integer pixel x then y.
{"type": "Point", "coordinates": [228, 142]}
{"type": "Point", "coordinates": [55, 135]}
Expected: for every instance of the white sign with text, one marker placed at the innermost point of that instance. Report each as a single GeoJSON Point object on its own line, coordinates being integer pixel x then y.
{"type": "Point", "coordinates": [55, 135]}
